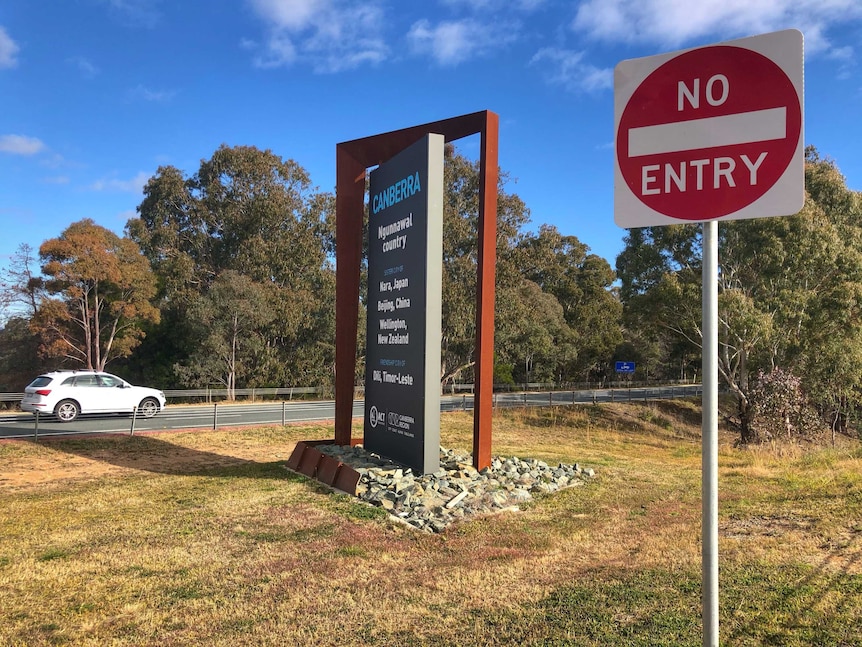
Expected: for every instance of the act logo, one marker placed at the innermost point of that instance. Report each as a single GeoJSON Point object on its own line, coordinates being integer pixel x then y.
{"type": "Point", "coordinates": [376, 417]}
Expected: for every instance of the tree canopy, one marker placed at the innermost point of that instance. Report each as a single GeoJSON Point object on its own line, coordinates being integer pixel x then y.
{"type": "Point", "coordinates": [789, 291]}
{"type": "Point", "coordinates": [92, 300]}
{"type": "Point", "coordinates": [246, 224]}
{"type": "Point", "coordinates": [226, 277]}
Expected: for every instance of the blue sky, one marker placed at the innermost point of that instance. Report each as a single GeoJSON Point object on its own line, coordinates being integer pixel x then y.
{"type": "Point", "coordinates": [95, 95]}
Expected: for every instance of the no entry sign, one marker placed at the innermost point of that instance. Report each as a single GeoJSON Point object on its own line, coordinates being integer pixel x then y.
{"type": "Point", "coordinates": [710, 133]}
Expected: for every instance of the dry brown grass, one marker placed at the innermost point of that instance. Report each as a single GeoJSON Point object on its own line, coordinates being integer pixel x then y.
{"type": "Point", "coordinates": [204, 539]}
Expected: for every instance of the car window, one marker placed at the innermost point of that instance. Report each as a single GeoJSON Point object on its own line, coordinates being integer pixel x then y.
{"type": "Point", "coordinates": [110, 381]}
{"type": "Point", "coordinates": [42, 380]}
{"type": "Point", "coordinates": [69, 381]}
{"type": "Point", "coordinates": [86, 380]}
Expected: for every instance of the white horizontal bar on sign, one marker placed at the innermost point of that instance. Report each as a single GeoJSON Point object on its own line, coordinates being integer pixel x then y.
{"type": "Point", "coordinates": [728, 130]}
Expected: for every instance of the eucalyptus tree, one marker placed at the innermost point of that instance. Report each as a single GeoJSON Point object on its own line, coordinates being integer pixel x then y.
{"type": "Point", "coordinates": [99, 289]}
{"type": "Point", "coordinates": [556, 315]}
{"type": "Point", "coordinates": [460, 261]}
{"type": "Point", "coordinates": [19, 356]}
{"type": "Point", "coordinates": [245, 210]}
{"type": "Point", "coordinates": [230, 320]}
{"type": "Point", "coordinates": [22, 286]}
{"type": "Point", "coordinates": [248, 212]}
{"type": "Point", "coordinates": [789, 292]}
{"type": "Point", "coordinates": [830, 351]}
{"type": "Point", "coordinates": [537, 339]}
{"type": "Point", "coordinates": [582, 283]}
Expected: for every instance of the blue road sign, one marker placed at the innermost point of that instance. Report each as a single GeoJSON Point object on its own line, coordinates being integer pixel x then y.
{"type": "Point", "coordinates": [625, 367]}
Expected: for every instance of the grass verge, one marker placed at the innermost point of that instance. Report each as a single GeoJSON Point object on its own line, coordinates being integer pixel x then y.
{"type": "Point", "coordinates": [204, 539]}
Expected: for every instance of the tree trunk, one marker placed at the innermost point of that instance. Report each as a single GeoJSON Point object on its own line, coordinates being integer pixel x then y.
{"type": "Point", "coordinates": [746, 430]}
{"type": "Point", "coordinates": [231, 389]}
{"type": "Point", "coordinates": [97, 329]}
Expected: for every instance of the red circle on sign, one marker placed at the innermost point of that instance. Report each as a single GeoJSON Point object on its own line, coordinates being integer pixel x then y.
{"type": "Point", "coordinates": [701, 167]}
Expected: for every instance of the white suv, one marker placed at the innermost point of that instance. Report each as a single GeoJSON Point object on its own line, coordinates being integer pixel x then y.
{"type": "Point", "coordinates": [67, 394]}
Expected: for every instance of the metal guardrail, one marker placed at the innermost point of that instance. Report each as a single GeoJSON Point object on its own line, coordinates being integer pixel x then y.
{"type": "Point", "coordinates": [273, 413]}
{"type": "Point", "coordinates": [253, 394]}
{"type": "Point", "coordinates": [250, 394]}
{"type": "Point", "coordinates": [221, 394]}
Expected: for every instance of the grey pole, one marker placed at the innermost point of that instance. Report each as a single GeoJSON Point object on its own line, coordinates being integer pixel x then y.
{"type": "Point", "coordinates": [710, 435]}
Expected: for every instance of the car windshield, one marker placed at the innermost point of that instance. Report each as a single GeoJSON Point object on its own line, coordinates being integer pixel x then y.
{"type": "Point", "coordinates": [42, 380]}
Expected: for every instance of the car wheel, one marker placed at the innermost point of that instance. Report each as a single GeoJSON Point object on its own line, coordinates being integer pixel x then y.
{"type": "Point", "coordinates": [67, 410]}
{"type": "Point", "coordinates": [148, 407]}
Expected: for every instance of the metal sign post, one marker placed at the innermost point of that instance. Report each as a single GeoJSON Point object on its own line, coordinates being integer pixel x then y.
{"type": "Point", "coordinates": [709, 422]}
{"type": "Point", "coordinates": [707, 134]}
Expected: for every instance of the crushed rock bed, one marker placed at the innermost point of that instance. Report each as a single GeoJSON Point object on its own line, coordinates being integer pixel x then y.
{"type": "Point", "coordinates": [456, 491]}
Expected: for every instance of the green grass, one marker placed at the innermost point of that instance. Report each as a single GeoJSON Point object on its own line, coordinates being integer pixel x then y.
{"type": "Point", "coordinates": [205, 539]}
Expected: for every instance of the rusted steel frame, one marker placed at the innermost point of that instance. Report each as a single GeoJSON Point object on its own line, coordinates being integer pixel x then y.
{"type": "Point", "coordinates": [349, 201]}
{"type": "Point", "coordinates": [485, 279]}
{"type": "Point", "coordinates": [352, 160]}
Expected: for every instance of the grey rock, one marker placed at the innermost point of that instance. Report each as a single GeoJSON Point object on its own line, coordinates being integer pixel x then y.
{"type": "Point", "coordinates": [457, 491]}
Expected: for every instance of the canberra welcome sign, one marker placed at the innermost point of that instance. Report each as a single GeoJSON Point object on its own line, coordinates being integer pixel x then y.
{"type": "Point", "coordinates": [405, 255]}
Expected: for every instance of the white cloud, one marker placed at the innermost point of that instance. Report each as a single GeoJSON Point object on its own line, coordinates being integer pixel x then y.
{"type": "Point", "coordinates": [484, 6]}
{"type": "Point", "coordinates": [331, 35]}
{"type": "Point", "coordinates": [141, 13]}
{"type": "Point", "coordinates": [54, 161]}
{"type": "Point", "coordinates": [568, 68]}
{"type": "Point", "coordinates": [133, 185]}
{"type": "Point", "coordinates": [474, 28]}
{"type": "Point", "coordinates": [449, 43]}
{"type": "Point", "coordinates": [846, 57]}
{"type": "Point", "coordinates": [84, 66]}
{"type": "Point", "coordinates": [20, 145]}
{"type": "Point", "coordinates": [844, 54]}
{"type": "Point", "coordinates": [57, 179]}
{"type": "Point", "coordinates": [290, 14]}
{"type": "Point", "coordinates": [279, 52]}
{"type": "Point", "coordinates": [145, 94]}
{"type": "Point", "coordinates": [676, 23]}
{"type": "Point", "coordinates": [455, 41]}
{"type": "Point", "coordinates": [8, 50]}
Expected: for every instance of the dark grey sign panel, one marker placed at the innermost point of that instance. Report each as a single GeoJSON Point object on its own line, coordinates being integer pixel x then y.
{"type": "Point", "coordinates": [405, 256]}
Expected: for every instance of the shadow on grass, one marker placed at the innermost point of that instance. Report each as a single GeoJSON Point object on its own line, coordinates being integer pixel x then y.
{"type": "Point", "coordinates": [819, 604]}
{"type": "Point", "coordinates": [761, 604]}
{"type": "Point", "coordinates": [150, 454]}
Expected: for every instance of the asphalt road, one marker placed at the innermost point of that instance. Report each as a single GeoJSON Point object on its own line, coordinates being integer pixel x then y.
{"type": "Point", "coordinates": [23, 425]}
